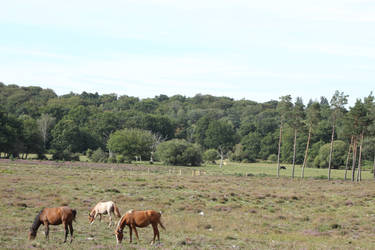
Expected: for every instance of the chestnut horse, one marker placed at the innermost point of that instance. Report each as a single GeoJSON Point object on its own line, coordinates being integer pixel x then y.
{"type": "Point", "coordinates": [54, 216]}
{"type": "Point", "coordinates": [104, 208]}
{"type": "Point", "coordinates": [134, 219]}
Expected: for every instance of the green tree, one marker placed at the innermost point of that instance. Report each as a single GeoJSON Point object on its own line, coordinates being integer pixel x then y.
{"type": "Point", "coordinates": [338, 159]}
{"type": "Point", "coordinates": [251, 146]}
{"type": "Point", "coordinates": [131, 143]}
{"type": "Point", "coordinates": [179, 152]}
{"type": "Point", "coordinates": [32, 140]}
{"type": "Point", "coordinates": [10, 134]}
{"type": "Point", "coordinates": [211, 155]}
{"type": "Point", "coordinates": [45, 123]}
{"type": "Point", "coordinates": [69, 137]}
{"type": "Point", "coordinates": [312, 119]}
{"type": "Point", "coordinates": [284, 108]}
{"type": "Point", "coordinates": [296, 123]}
{"type": "Point", "coordinates": [338, 101]}
{"type": "Point", "coordinates": [221, 135]}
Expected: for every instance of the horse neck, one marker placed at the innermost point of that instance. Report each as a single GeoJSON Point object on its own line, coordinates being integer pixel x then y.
{"type": "Point", "coordinates": [36, 224]}
{"type": "Point", "coordinates": [122, 222]}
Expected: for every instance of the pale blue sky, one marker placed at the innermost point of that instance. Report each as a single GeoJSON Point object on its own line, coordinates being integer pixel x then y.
{"type": "Point", "coordinates": [257, 50]}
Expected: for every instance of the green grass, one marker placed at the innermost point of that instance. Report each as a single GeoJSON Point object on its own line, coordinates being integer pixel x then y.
{"type": "Point", "coordinates": [252, 212]}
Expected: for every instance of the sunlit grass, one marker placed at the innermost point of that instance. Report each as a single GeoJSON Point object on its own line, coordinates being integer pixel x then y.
{"type": "Point", "coordinates": [221, 208]}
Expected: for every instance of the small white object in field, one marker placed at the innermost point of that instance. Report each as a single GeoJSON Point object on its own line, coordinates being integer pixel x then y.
{"type": "Point", "coordinates": [90, 238]}
{"type": "Point", "coordinates": [201, 213]}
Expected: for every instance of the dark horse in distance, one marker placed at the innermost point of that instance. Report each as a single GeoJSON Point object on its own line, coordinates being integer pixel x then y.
{"type": "Point", "coordinates": [54, 216]}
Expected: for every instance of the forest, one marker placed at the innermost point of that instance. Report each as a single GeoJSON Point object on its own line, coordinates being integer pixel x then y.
{"type": "Point", "coordinates": [180, 130]}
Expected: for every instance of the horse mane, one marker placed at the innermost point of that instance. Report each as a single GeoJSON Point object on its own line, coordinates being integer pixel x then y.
{"type": "Point", "coordinates": [34, 227]}
{"type": "Point", "coordinates": [119, 222]}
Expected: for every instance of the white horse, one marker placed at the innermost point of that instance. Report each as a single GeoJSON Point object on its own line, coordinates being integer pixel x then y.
{"type": "Point", "coordinates": [104, 208]}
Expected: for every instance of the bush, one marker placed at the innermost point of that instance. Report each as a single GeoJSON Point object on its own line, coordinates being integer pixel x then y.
{"type": "Point", "coordinates": [179, 152]}
{"type": "Point", "coordinates": [131, 143]}
{"type": "Point", "coordinates": [120, 158]}
{"type": "Point", "coordinates": [211, 155]}
{"type": "Point", "coordinates": [89, 152]}
{"type": "Point", "coordinates": [241, 154]}
{"type": "Point", "coordinates": [272, 158]}
{"type": "Point", "coordinates": [65, 156]}
{"type": "Point", "coordinates": [338, 155]}
{"type": "Point", "coordinates": [112, 159]}
{"type": "Point", "coordinates": [99, 156]}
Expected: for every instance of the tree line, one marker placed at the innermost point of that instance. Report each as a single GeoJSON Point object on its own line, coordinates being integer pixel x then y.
{"type": "Point", "coordinates": [182, 130]}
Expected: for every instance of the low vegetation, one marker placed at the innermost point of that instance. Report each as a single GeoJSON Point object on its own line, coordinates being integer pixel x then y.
{"type": "Point", "coordinates": [237, 206]}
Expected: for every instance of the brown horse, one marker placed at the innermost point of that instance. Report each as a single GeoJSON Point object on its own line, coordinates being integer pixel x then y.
{"type": "Point", "coordinates": [54, 216]}
{"type": "Point", "coordinates": [134, 219]}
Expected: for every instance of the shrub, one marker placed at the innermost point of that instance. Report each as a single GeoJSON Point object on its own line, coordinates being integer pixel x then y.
{"type": "Point", "coordinates": [120, 158]}
{"type": "Point", "coordinates": [211, 155]}
{"type": "Point", "coordinates": [112, 159]}
{"type": "Point", "coordinates": [241, 154]}
{"type": "Point", "coordinates": [338, 155]}
{"type": "Point", "coordinates": [99, 156]}
{"type": "Point", "coordinates": [89, 152]}
{"type": "Point", "coordinates": [65, 155]}
{"type": "Point", "coordinates": [179, 152]}
{"type": "Point", "coordinates": [272, 158]}
{"type": "Point", "coordinates": [131, 143]}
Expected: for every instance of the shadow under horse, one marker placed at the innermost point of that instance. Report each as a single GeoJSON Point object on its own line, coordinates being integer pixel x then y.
{"type": "Point", "coordinates": [54, 216]}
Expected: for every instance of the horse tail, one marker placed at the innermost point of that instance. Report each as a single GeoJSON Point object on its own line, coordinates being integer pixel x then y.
{"type": "Point", "coordinates": [116, 210]}
{"type": "Point", "coordinates": [161, 224]}
{"type": "Point", "coordinates": [74, 212]}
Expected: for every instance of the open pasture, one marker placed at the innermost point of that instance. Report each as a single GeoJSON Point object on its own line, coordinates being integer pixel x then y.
{"type": "Point", "coordinates": [213, 210]}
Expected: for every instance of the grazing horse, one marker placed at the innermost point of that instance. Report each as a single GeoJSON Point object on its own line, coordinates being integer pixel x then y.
{"type": "Point", "coordinates": [54, 216]}
{"type": "Point", "coordinates": [104, 208]}
{"type": "Point", "coordinates": [134, 219]}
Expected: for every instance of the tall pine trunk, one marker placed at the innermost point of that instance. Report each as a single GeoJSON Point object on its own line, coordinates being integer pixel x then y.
{"type": "Point", "coordinates": [294, 151]}
{"type": "Point", "coordinates": [359, 174]}
{"type": "Point", "coordinates": [348, 156]}
{"type": "Point", "coordinates": [354, 157]}
{"type": "Point", "coordinates": [306, 153]}
{"type": "Point", "coordinates": [278, 154]}
{"type": "Point", "coordinates": [330, 153]}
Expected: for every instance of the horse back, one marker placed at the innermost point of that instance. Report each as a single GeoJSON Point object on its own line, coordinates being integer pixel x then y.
{"type": "Point", "coordinates": [144, 218]}
{"type": "Point", "coordinates": [58, 215]}
{"type": "Point", "coordinates": [103, 207]}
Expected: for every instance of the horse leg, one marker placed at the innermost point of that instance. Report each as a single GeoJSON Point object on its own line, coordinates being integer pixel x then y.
{"type": "Point", "coordinates": [66, 231]}
{"type": "Point", "coordinates": [156, 233]}
{"type": "Point", "coordinates": [136, 233]}
{"type": "Point", "coordinates": [100, 217]}
{"type": "Point", "coordinates": [71, 231]}
{"type": "Point", "coordinates": [46, 230]}
{"type": "Point", "coordinates": [130, 234]}
{"type": "Point", "coordinates": [110, 219]}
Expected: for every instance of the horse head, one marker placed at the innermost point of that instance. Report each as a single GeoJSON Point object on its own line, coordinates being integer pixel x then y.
{"type": "Point", "coordinates": [119, 235]}
{"type": "Point", "coordinates": [32, 235]}
{"type": "Point", "coordinates": [91, 218]}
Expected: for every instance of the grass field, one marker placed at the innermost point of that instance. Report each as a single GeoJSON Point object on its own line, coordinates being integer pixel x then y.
{"type": "Point", "coordinates": [221, 208]}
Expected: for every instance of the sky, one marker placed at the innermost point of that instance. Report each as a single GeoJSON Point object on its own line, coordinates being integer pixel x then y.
{"type": "Point", "coordinates": [243, 49]}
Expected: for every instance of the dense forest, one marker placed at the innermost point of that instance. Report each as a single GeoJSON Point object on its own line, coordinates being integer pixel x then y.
{"type": "Point", "coordinates": [321, 133]}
